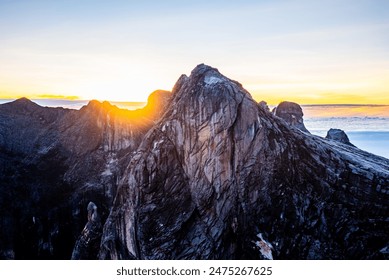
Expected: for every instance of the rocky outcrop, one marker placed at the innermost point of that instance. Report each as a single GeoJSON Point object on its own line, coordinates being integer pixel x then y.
{"type": "Point", "coordinates": [88, 244]}
{"type": "Point", "coordinates": [218, 177]}
{"type": "Point", "coordinates": [264, 106]}
{"type": "Point", "coordinates": [291, 113]}
{"type": "Point", "coordinates": [53, 161]}
{"type": "Point", "coordinates": [338, 135]}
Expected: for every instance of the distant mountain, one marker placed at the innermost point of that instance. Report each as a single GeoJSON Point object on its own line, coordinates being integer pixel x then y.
{"type": "Point", "coordinates": [203, 172]}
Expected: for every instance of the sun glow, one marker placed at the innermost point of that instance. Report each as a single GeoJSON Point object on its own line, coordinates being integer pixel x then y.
{"type": "Point", "coordinates": [126, 89]}
{"type": "Point", "coordinates": [118, 83]}
{"type": "Point", "coordinates": [126, 53]}
{"type": "Point", "coordinates": [114, 91]}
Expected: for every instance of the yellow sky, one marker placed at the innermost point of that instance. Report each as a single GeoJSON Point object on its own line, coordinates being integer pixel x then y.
{"type": "Point", "coordinates": [310, 52]}
{"type": "Point", "coordinates": [127, 81]}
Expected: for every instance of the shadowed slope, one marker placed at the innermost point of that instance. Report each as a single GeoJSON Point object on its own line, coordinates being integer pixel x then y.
{"type": "Point", "coordinates": [53, 161]}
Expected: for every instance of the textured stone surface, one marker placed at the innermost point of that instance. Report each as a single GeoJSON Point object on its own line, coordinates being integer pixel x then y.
{"type": "Point", "coordinates": [338, 135]}
{"type": "Point", "coordinates": [53, 161]}
{"type": "Point", "coordinates": [219, 177]}
{"type": "Point", "coordinates": [292, 113]}
{"type": "Point", "coordinates": [88, 244]}
{"type": "Point", "coordinates": [263, 105]}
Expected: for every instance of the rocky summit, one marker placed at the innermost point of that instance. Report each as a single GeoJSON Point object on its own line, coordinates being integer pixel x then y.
{"type": "Point", "coordinates": [338, 135]}
{"type": "Point", "coordinates": [220, 177]}
{"type": "Point", "coordinates": [212, 174]}
{"type": "Point", "coordinates": [292, 113]}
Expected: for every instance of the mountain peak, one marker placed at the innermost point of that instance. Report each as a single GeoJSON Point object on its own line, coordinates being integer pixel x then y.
{"type": "Point", "coordinates": [202, 68]}
{"type": "Point", "coordinates": [24, 102]}
{"type": "Point", "coordinates": [23, 99]}
{"type": "Point", "coordinates": [205, 80]}
{"type": "Point", "coordinates": [96, 105]}
{"type": "Point", "coordinates": [238, 175]}
{"type": "Point", "coordinates": [208, 75]}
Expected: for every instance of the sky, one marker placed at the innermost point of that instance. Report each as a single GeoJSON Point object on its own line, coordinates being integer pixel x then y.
{"type": "Point", "coordinates": [310, 52]}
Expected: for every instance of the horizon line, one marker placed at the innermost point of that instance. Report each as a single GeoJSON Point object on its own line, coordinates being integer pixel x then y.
{"type": "Point", "coordinates": [139, 102]}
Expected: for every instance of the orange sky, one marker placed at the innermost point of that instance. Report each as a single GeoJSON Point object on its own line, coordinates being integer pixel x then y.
{"type": "Point", "coordinates": [381, 111]}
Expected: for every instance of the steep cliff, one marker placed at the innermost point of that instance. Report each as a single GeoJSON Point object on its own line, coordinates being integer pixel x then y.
{"type": "Point", "coordinates": [53, 161]}
{"type": "Point", "coordinates": [220, 177]}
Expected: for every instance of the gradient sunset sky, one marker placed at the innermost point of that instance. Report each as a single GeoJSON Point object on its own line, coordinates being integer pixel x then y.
{"type": "Point", "coordinates": [311, 52]}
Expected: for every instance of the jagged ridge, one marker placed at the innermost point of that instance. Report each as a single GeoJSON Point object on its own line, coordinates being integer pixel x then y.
{"type": "Point", "coordinates": [219, 170]}
{"type": "Point", "coordinates": [53, 161]}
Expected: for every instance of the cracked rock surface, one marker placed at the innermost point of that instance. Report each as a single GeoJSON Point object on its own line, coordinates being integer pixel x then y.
{"type": "Point", "coordinates": [219, 174]}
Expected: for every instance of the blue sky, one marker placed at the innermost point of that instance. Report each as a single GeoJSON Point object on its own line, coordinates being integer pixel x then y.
{"type": "Point", "coordinates": [304, 51]}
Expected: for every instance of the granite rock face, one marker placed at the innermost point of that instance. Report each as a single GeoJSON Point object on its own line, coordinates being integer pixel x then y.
{"type": "Point", "coordinates": [53, 161]}
{"type": "Point", "coordinates": [88, 244]}
{"type": "Point", "coordinates": [219, 177]}
{"type": "Point", "coordinates": [292, 113]}
{"type": "Point", "coordinates": [338, 135]}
